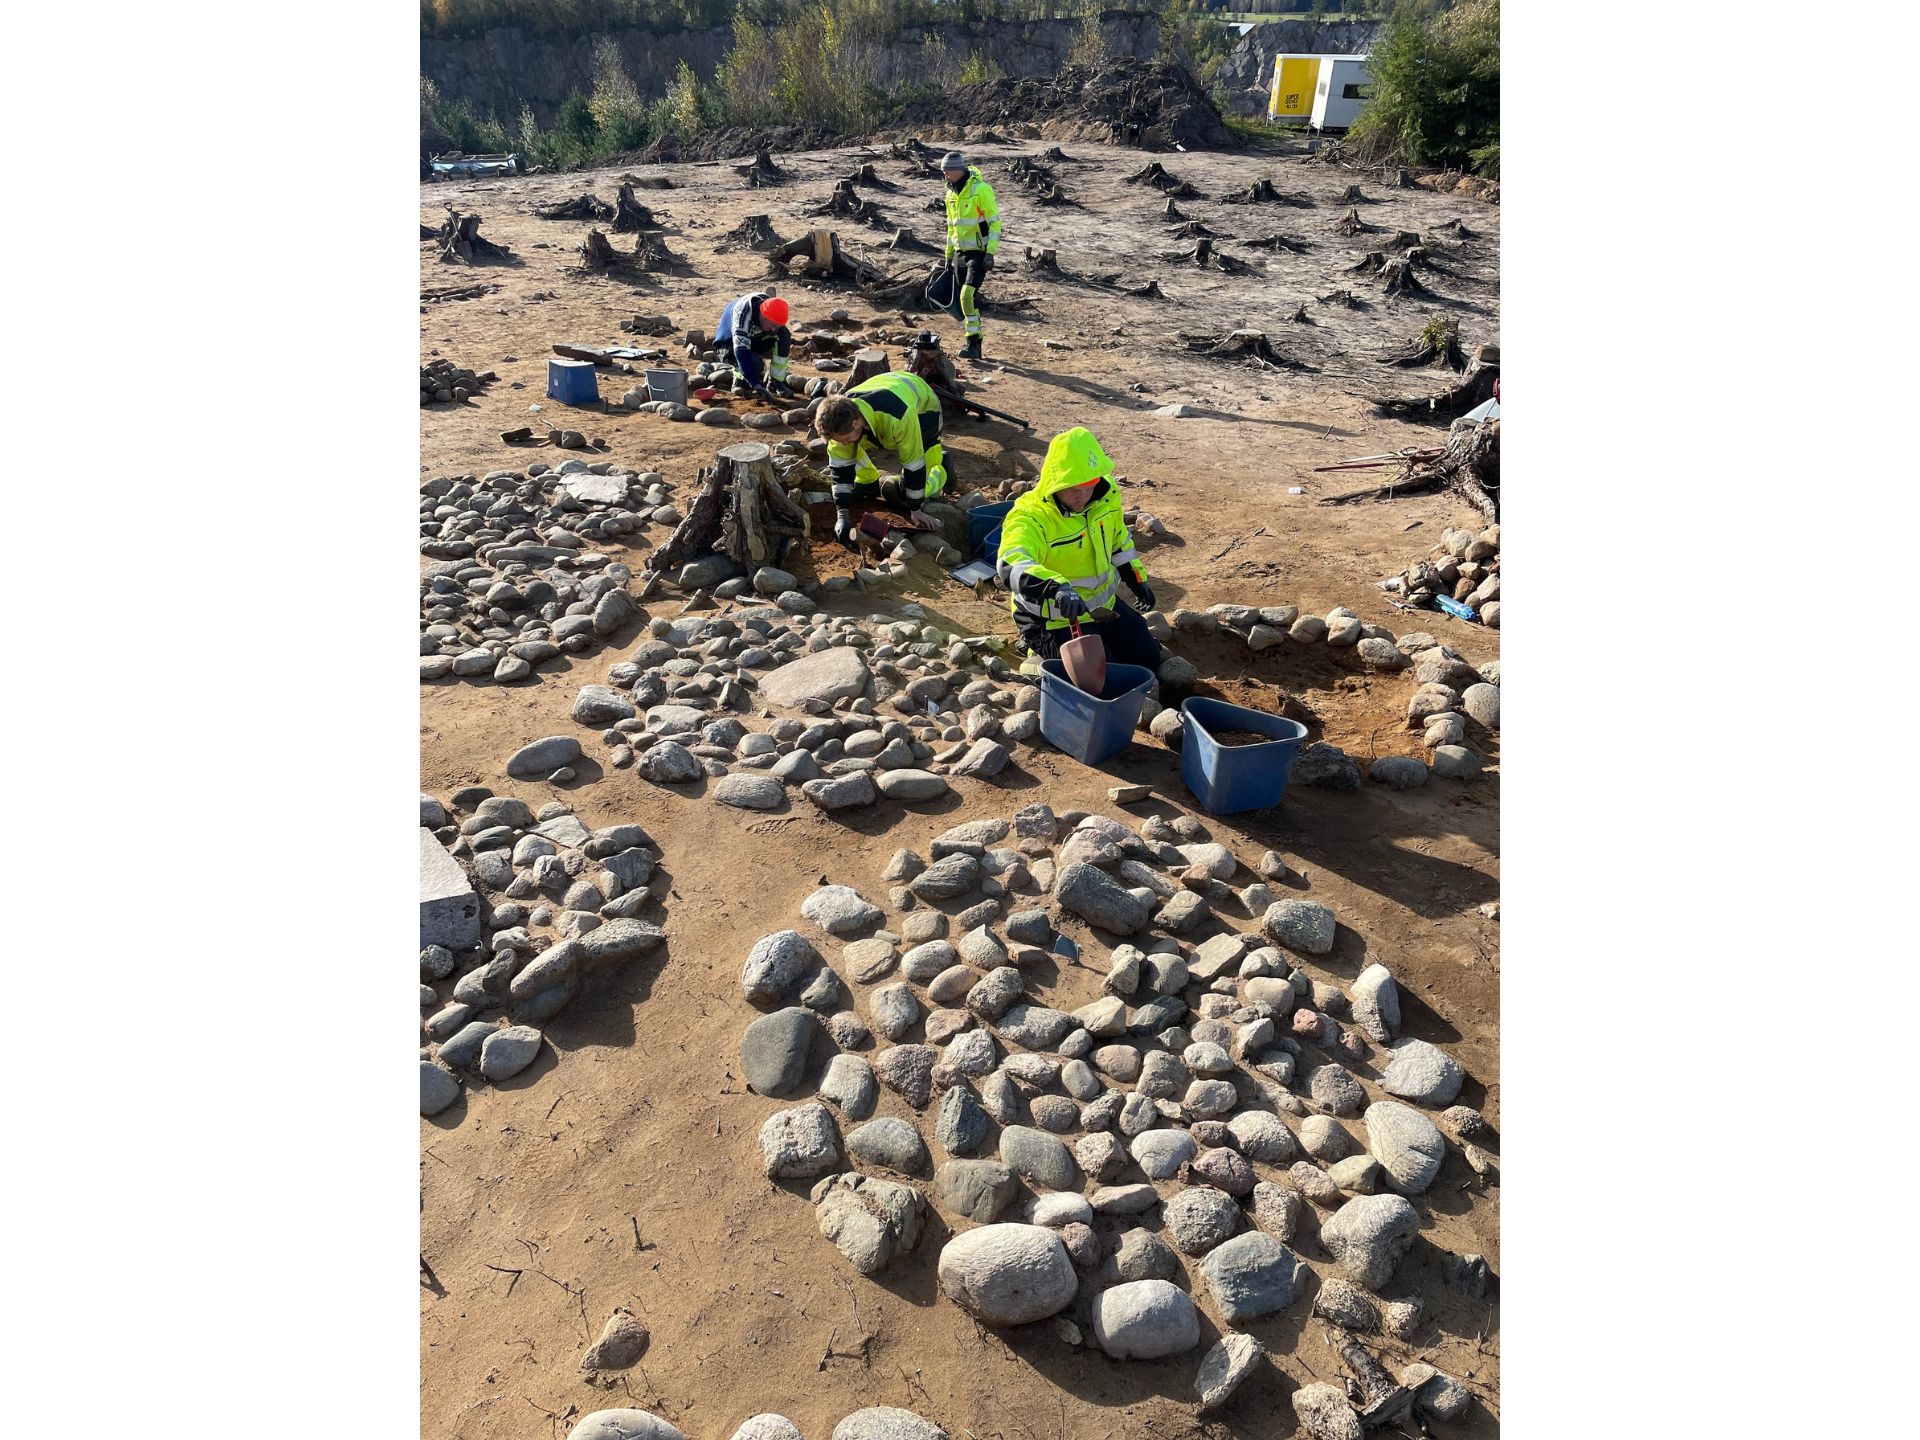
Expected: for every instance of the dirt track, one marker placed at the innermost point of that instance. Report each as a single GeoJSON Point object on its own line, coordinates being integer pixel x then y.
{"type": "Point", "coordinates": [641, 1123]}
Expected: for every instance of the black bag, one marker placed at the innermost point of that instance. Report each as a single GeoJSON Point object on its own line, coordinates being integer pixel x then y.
{"type": "Point", "coordinates": [943, 290]}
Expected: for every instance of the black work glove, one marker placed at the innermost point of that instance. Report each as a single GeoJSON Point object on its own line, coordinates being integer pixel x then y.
{"type": "Point", "coordinates": [986, 262]}
{"type": "Point", "coordinates": [1069, 602]}
{"type": "Point", "coordinates": [843, 528]}
{"type": "Point", "coordinates": [1142, 591]}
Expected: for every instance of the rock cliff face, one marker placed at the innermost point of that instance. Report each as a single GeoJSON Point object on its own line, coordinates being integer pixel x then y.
{"type": "Point", "coordinates": [1250, 65]}
{"type": "Point", "coordinates": [499, 71]}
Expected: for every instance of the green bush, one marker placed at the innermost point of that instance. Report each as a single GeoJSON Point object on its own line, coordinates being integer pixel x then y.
{"type": "Point", "coordinates": [1436, 89]}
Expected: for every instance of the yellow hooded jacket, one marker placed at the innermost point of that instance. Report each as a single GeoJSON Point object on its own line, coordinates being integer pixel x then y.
{"type": "Point", "coordinates": [1043, 546]}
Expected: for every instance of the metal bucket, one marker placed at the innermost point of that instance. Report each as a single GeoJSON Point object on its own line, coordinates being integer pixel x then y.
{"type": "Point", "coordinates": [667, 385]}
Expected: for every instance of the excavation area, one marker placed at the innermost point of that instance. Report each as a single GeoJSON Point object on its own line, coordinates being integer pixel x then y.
{"type": "Point", "coordinates": [806, 1033]}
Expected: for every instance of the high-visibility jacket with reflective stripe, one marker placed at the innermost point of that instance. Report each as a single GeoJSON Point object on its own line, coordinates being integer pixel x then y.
{"type": "Point", "coordinates": [1040, 542]}
{"type": "Point", "coordinates": [973, 215]}
{"type": "Point", "coordinates": [892, 405]}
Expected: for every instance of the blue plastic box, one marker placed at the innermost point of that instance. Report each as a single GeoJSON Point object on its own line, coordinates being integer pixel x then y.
{"type": "Point", "coordinates": [983, 529]}
{"type": "Point", "coordinates": [1091, 727]}
{"type": "Point", "coordinates": [1227, 779]}
{"type": "Point", "coordinates": [572, 382]}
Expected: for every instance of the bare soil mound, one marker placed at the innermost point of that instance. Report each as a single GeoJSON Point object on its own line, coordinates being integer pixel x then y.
{"type": "Point", "coordinates": [1127, 102]}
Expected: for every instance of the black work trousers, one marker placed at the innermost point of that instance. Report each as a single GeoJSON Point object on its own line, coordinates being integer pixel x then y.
{"type": "Point", "coordinates": [1123, 632]}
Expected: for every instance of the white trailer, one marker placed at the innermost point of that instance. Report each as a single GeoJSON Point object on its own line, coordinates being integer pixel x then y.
{"type": "Point", "coordinates": [1344, 89]}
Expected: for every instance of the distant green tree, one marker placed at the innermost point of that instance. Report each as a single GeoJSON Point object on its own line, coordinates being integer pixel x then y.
{"type": "Point", "coordinates": [1436, 89]}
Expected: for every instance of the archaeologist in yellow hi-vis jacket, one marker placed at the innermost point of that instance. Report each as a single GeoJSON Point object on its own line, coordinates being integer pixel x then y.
{"type": "Point", "coordinates": [1065, 553]}
{"type": "Point", "coordinates": [973, 238]}
{"type": "Point", "coordinates": [897, 411]}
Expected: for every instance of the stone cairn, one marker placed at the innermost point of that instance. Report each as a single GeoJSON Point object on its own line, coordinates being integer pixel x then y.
{"type": "Point", "coordinates": [1223, 1079]}
{"type": "Point", "coordinates": [561, 902]}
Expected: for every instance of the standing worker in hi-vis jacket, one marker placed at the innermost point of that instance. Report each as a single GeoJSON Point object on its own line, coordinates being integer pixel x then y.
{"type": "Point", "coordinates": [973, 237]}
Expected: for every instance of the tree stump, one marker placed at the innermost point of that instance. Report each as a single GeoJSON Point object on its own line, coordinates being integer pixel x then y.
{"type": "Point", "coordinates": [597, 252]}
{"type": "Point", "coordinates": [1351, 224]}
{"type": "Point", "coordinates": [1043, 262]}
{"type": "Point", "coordinates": [761, 521]}
{"type": "Point", "coordinates": [629, 215]}
{"type": "Point", "coordinates": [756, 232]}
{"type": "Point", "coordinates": [905, 239]}
{"type": "Point", "coordinates": [866, 365]}
{"type": "Point", "coordinates": [1173, 212]}
{"type": "Point", "coordinates": [460, 241]}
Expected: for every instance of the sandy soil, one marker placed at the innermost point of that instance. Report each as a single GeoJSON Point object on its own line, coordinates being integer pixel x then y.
{"type": "Point", "coordinates": [624, 1168]}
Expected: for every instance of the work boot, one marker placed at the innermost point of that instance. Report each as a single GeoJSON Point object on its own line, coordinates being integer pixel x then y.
{"type": "Point", "coordinates": [972, 352]}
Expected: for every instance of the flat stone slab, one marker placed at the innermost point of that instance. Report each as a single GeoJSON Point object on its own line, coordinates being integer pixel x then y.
{"type": "Point", "coordinates": [449, 909]}
{"type": "Point", "coordinates": [836, 674]}
{"type": "Point", "coordinates": [596, 489]}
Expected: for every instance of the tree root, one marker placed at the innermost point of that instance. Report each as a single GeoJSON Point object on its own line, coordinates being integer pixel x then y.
{"type": "Point", "coordinates": [1470, 467]}
{"type": "Point", "coordinates": [584, 207]}
{"type": "Point", "coordinates": [1474, 388]}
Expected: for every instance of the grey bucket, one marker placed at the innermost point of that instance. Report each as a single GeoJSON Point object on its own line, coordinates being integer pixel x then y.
{"type": "Point", "coordinates": [667, 385]}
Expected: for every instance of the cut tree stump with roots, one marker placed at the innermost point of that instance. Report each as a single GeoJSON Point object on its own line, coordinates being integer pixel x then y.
{"type": "Point", "coordinates": [1053, 195]}
{"type": "Point", "coordinates": [1346, 299]}
{"type": "Point", "coordinates": [1437, 344]}
{"type": "Point", "coordinates": [1173, 212]}
{"type": "Point", "coordinates": [1351, 224]}
{"type": "Point", "coordinates": [461, 243]}
{"type": "Point", "coordinates": [1195, 230]}
{"type": "Point", "coordinates": [756, 232]}
{"type": "Point", "coordinates": [1249, 345]}
{"type": "Point", "coordinates": [762, 172]}
{"type": "Point", "coordinates": [581, 207]}
{"type": "Point", "coordinates": [1204, 255]}
{"type": "Point", "coordinates": [1276, 243]}
{"type": "Point", "coordinates": [818, 256]}
{"type": "Point", "coordinates": [1352, 196]}
{"type": "Point", "coordinates": [650, 253]}
{"type": "Point", "coordinates": [1475, 388]}
{"type": "Point", "coordinates": [866, 175]}
{"type": "Point", "coordinates": [1261, 192]}
{"type": "Point", "coordinates": [1371, 263]}
{"type": "Point", "coordinates": [845, 204]}
{"type": "Point", "coordinates": [1044, 262]}
{"type": "Point", "coordinates": [1397, 278]}
{"type": "Point", "coordinates": [906, 241]}
{"type": "Point", "coordinates": [629, 215]}
{"type": "Point", "coordinates": [742, 511]}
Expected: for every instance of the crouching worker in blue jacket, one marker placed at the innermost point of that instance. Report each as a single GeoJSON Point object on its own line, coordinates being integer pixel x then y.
{"type": "Point", "coordinates": [752, 327]}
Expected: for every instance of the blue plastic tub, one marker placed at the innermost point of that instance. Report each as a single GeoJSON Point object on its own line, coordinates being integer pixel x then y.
{"type": "Point", "coordinates": [983, 529]}
{"type": "Point", "coordinates": [1227, 779]}
{"type": "Point", "coordinates": [1091, 727]}
{"type": "Point", "coordinates": [572, 382]}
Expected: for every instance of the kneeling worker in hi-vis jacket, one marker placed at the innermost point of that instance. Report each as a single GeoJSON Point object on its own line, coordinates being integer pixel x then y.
{"type": "Point", "coordinates": [1065, 553]}
{"type": "Point", "coordinates": [897, 411]}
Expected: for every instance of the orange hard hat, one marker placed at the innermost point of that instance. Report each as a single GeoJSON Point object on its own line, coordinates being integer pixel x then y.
{"type": "Point", "coordinates": [774, 310]}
